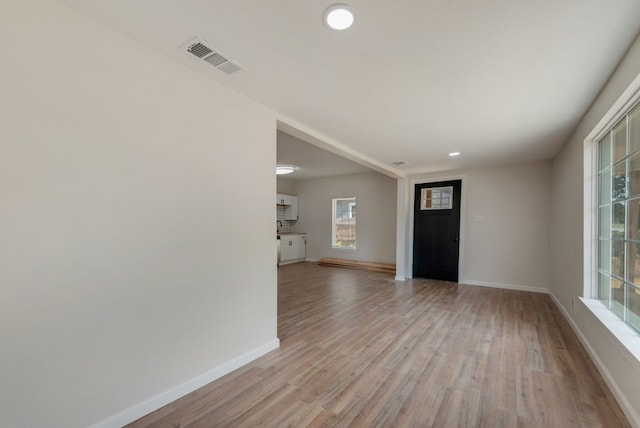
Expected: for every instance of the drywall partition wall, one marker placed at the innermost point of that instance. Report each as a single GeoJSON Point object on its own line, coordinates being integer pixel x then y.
{"type": "Point", "coordinates": [568, 243]}
{"type": "Point", "coordinates": [123, 270]}
{"type": "Point", "coordinates": [402, 228]}
{"type": "Point", "coordinates": [504, 225]}
{"type": "Point", "coordinates": [375, 223]}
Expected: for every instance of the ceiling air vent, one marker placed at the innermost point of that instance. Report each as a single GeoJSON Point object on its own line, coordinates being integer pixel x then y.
{"type": "Point", "coordinates": [213, 56]}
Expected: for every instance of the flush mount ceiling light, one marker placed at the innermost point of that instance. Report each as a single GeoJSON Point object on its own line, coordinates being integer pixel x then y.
{"type": "Point", "coordinates": [338, 16]}
{"type": "Point", "coordinates": [285, 169]}
{"type": "Point", "coordinates": [454, 154]}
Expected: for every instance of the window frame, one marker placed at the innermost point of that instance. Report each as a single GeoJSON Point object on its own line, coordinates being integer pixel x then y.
{"type": "Point", "coordinates": [438, 198]}
{"type": "Point", "coordinates": [352, 204]}
{"type": "Point", "coordinates": [609, 173]}
{"type": "Point", "coordinates": [629, 99]}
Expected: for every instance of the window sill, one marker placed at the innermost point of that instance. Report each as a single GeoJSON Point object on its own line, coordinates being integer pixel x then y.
{"type": "Point", "coordinates": [343, 248]}
{"type": "Point", "coordinates": [626, 336]}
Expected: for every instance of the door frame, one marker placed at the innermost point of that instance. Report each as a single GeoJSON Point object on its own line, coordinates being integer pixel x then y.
{"type": "Point", "coordinates": [412, 199]}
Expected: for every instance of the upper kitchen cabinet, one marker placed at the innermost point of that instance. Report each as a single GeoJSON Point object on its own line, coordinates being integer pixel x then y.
{"type": "Point", "coordinates": [290, 203]}
{"type": "Point", "coordinates": [283, 199]}
{"type": "Point", "coordinates": [291, 211]}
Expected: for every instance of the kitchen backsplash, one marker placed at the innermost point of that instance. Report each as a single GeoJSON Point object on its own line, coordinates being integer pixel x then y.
{"type": "Point", "coordinates": [286, 224]}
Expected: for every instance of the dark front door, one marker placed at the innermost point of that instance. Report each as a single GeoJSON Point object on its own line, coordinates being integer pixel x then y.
{"type": "Point", "coordinates": [436, 230]}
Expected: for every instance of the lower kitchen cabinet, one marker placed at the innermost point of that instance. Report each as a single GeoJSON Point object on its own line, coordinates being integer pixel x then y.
{"type": "Point", "coordinates": [293, 248]}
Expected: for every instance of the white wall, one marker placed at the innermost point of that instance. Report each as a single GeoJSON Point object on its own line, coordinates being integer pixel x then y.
{"type": "Point", "coordinates": [122, 263]}
{"type": "Point", "coordinates": [504, 225]}
{"type": "Point", "coordinates": [376, 219]}
{"type": "Point", "coordinates": [621, 370]}
{"type": "Point", "coordinates": [284, 186]}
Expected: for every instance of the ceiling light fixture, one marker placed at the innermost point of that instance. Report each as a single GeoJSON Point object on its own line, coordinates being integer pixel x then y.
{"type": "Point", "coordinates": [454, 154]}
{"type": "Point", "coordinates": [285, 169]}
{"type": "Point", "coordinates": [338, 16]}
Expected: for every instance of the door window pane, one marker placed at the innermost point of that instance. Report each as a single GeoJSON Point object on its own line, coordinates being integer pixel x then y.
{"type": "Point", "coordinates": [436, 198]}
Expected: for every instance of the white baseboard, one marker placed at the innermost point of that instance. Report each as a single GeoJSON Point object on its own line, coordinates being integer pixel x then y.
{"type": "Point", "coordinates": [400, 278]}
{"type": "Point", "coordinates": [141, 409]}
{"type": "Point", "coordinates": [620, 397]}
{"type": "Point", "coordinates": [290, 262]}
{"type": "Point", "coordinates": [308, 259]}
{"type": "Point", "coordinates": [505, 286]}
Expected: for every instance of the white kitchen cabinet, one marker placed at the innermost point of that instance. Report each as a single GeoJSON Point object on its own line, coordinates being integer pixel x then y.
{"type": "Point", "coordinates": [290, 203]}
{"type": "Point", "coordinates": [283, 199]}
{"type": "Point", "coordinates": [291, 210]}
{"type": "Point", "coordinates": [302, 248]}
{"type": "Point", "coordinates": [293, 248]}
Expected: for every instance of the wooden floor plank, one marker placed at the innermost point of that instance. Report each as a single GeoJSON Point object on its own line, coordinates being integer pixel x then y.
{"type": "Point", "coordinates": [359, 349]}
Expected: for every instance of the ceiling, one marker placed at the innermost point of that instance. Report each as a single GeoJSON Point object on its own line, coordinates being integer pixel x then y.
{"type": "Point", "coordinates": [312, 161]}
{"type": "Point", "coordinates": [501, 81]}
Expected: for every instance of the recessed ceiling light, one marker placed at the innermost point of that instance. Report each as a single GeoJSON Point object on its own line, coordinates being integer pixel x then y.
{"type": "Point", "coordinates": [338, 16]}
{"type": "Point", "coordinates": [454, 154]}
{"type": "Point", "coordinates": [285, 169]}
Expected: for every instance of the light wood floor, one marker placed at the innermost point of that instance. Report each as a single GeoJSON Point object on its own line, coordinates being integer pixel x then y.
{"type": "Point", "coordinates": [358, 349]}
